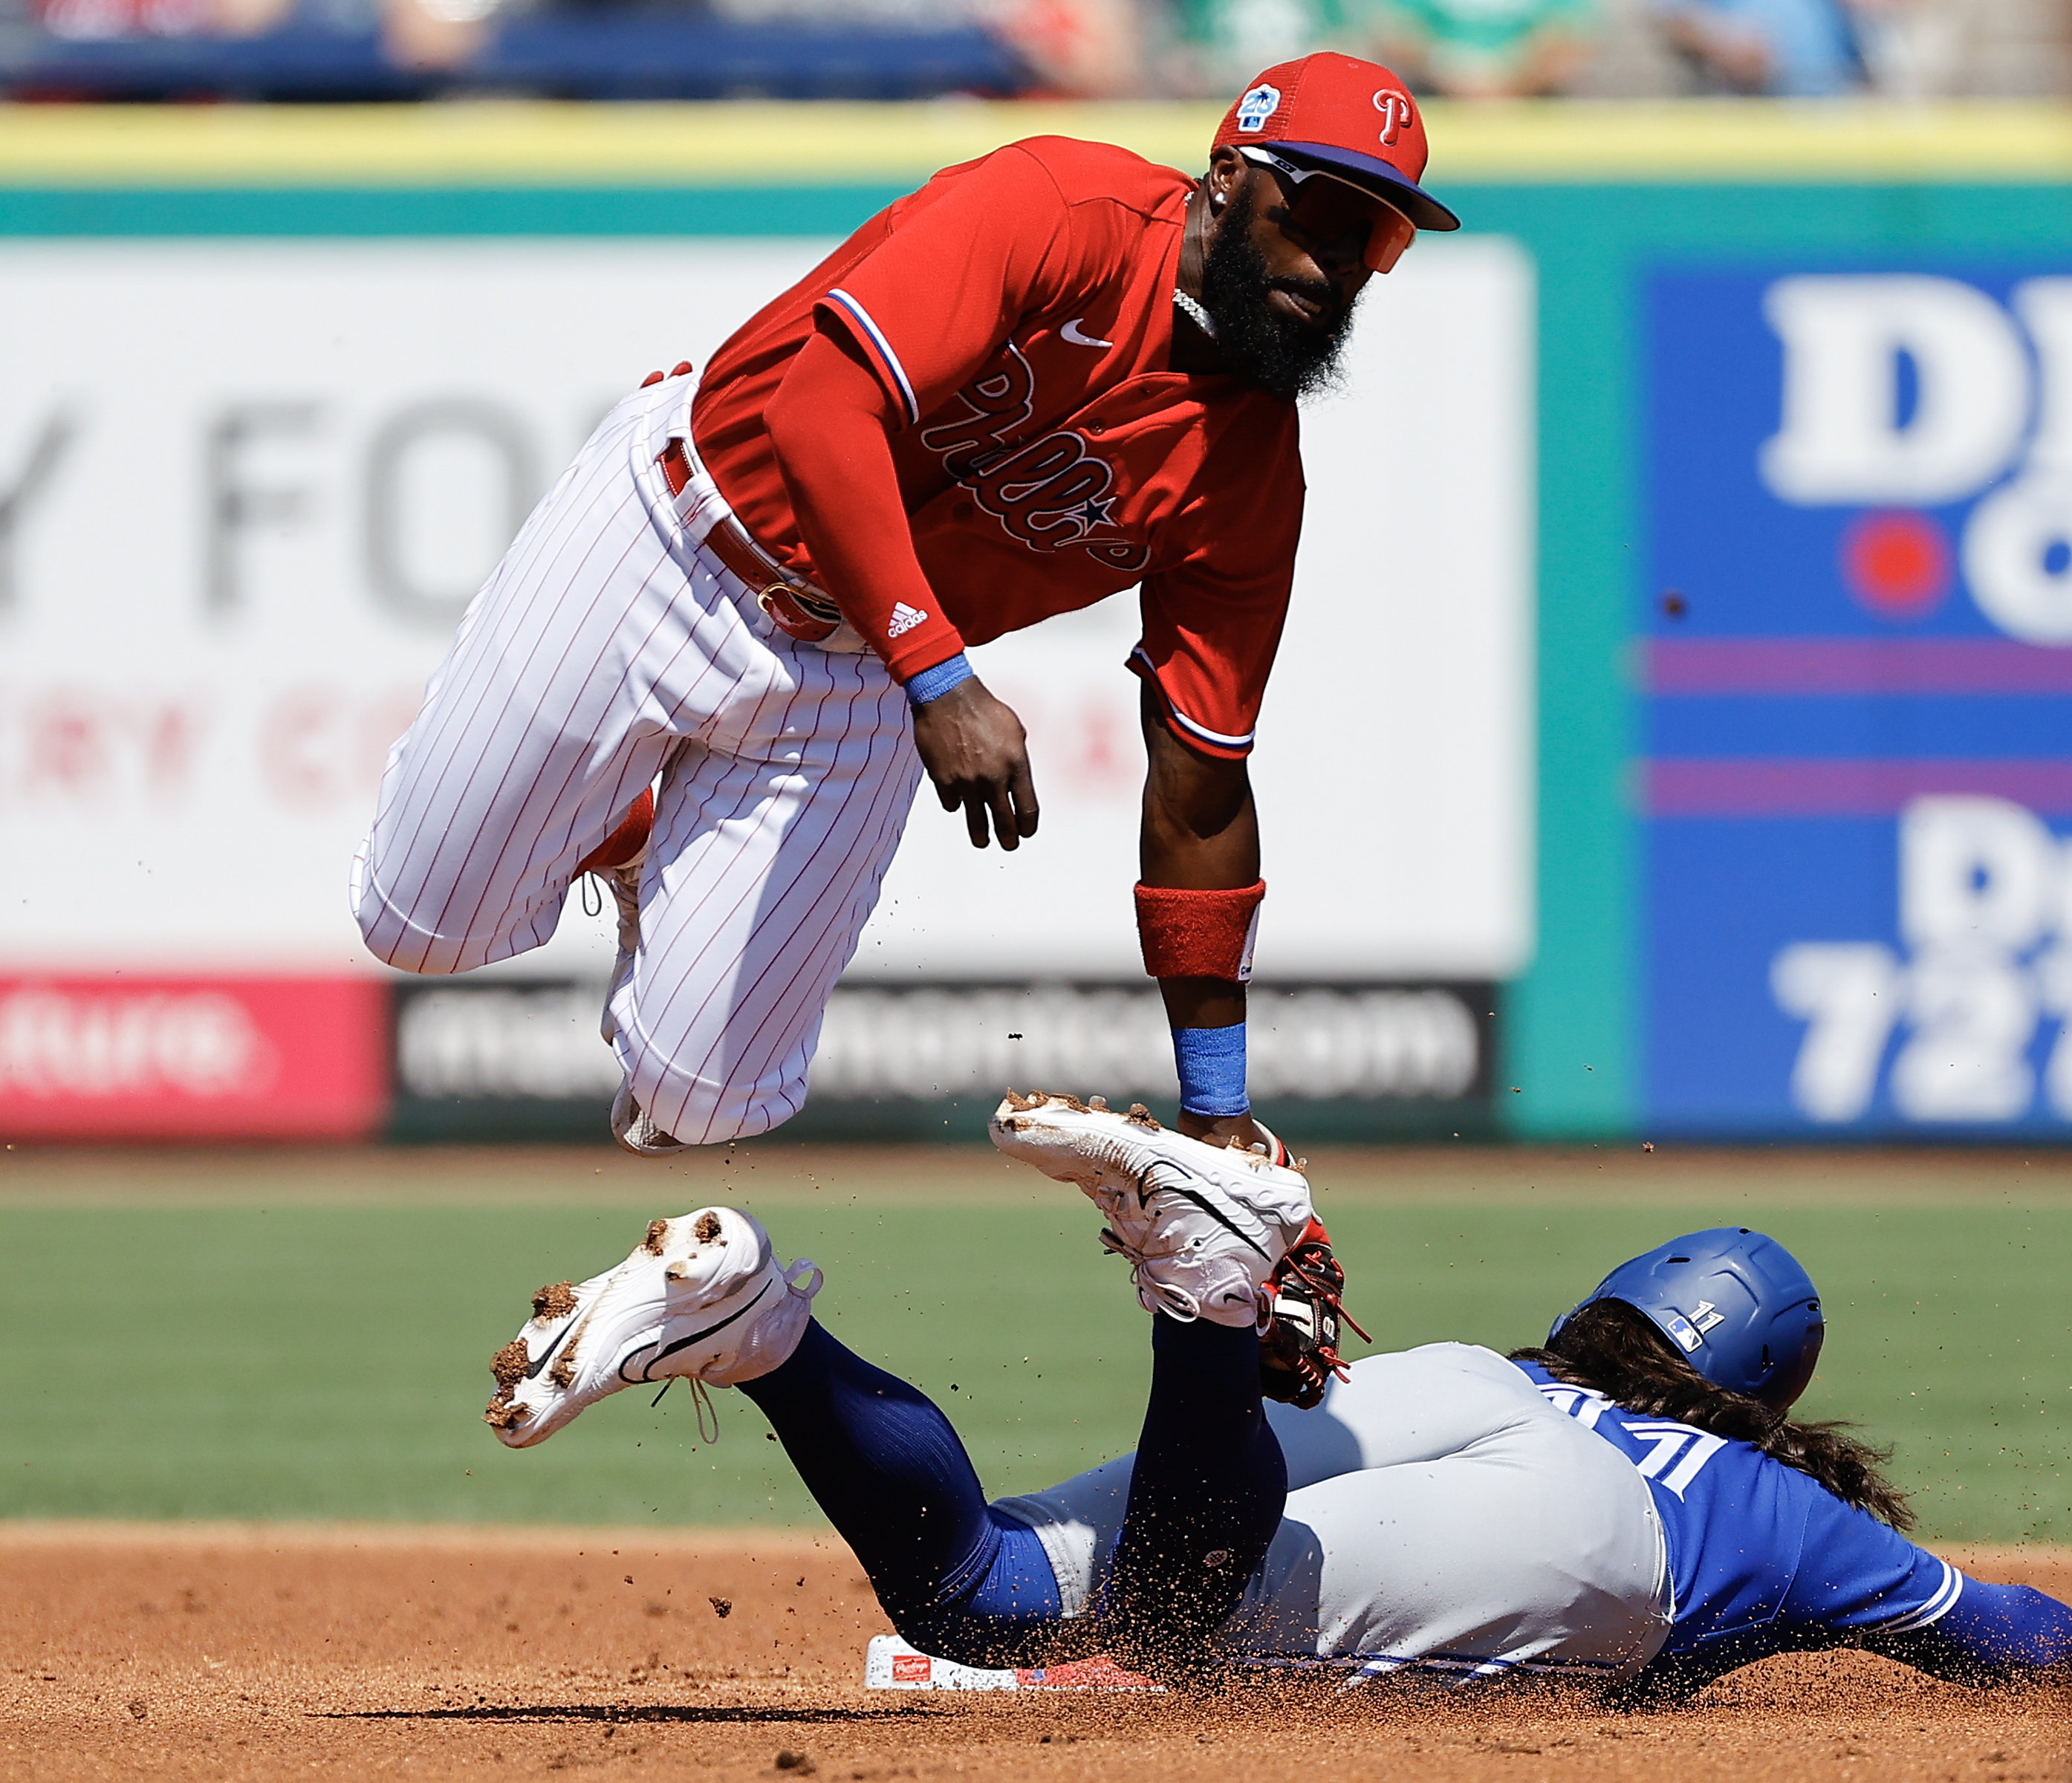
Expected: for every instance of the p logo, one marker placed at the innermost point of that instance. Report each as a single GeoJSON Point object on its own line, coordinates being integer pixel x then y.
{"type": "Point", "coordinates": [1395, 112]}
{"type": "Point", "coordinates": [1258, 105]}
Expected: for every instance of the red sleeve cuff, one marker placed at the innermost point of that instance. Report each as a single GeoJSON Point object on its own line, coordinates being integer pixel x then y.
{"type": "Point", "coordinates": [925, 642]}
{"type": "Point", "coordinates": [1195, 735]}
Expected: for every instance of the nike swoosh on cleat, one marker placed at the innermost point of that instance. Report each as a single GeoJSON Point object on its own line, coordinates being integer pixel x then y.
{"type": "Point", "coordinates": [1144, 1200]}
{"type": "Point", "coordinates": [684, 1343]}
{"type": "Point", "coordinates": [1070, 332]}
{"type": "Point", "coordinates": [1219, 1217]}
{"type": "Point", "coordinates": [575, 1319]}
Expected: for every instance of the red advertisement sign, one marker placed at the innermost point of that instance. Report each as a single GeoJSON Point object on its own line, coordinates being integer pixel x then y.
{"type": "Point", "coordinates": [125, 1058]}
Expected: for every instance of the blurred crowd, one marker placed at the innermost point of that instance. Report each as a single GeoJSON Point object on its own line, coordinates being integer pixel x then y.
{"type": "Point", "coordinates": [1494, 49]}
{"type": "Point", "coordinates": [1179, 48]}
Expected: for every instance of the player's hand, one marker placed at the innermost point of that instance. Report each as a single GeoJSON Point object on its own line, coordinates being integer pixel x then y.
{"type": "Point", "coordinates": [976, 753]}
{"type": "Point", "coordinates": [1221, 1129]}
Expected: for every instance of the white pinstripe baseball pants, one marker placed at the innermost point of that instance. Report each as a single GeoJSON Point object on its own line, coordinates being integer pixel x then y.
{"type": "Point", "coordinates": [609, 647]}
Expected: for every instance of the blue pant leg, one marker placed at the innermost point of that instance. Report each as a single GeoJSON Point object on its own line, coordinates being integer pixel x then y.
{"type": "Point", "coordinates": [958, 1579]}
{"type": "Point", "coordinates": [1205, 1498]}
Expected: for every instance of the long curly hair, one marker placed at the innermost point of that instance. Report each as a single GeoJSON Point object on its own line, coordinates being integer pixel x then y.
{"type": "Point", "coordinates": [1614, 1349]}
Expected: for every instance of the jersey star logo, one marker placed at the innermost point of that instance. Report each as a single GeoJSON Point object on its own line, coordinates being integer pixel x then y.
{"type": "Point", "coordinates": [904, 619]}
{"type": "Point", "coordinates": [1091, 513]}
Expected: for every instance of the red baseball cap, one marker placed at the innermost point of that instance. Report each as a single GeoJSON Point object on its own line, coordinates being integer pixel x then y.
{"type": "Point", "coordinates": [1353, 118]}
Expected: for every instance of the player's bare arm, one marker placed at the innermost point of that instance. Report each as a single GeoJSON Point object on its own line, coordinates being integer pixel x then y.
{"type": "Point", "coordinates": [1200, 832]}
{"type": "Point", "coordinates": [1305, 248]}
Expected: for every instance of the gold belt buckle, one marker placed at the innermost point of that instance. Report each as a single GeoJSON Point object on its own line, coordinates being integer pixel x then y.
{"type": "Point", "coordinates": [794, 618]}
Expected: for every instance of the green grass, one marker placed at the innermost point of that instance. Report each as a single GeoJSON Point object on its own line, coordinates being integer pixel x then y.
{"type": "Point", "coordinates": [330, 1360]}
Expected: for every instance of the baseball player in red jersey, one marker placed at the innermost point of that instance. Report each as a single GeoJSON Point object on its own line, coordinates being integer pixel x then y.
{"type": "Point", "coordinates": [715, 663]}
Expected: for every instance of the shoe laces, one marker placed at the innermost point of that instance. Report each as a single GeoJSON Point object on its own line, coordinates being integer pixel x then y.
{"type": "Point", "coordinates": [1129, 1254]}
{"type": "Point", "coordinates": [1110, 1241]}
{"type": "Point", "coordinates": [1176, 1303]}
{"type": "Point", "coordinates": [701, 1399]}
{"type": "Point", "coordinates": [621, 885]}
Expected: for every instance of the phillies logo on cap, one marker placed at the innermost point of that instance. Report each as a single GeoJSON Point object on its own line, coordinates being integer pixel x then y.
{"type": "Point", "coordinates": [1258, 105]}
{"type": "Point", "coordinates": [1354, 119]}
{"type": "Point", "coordinates": [1395, 112]}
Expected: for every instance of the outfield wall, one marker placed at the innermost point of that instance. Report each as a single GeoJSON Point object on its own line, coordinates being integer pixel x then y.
{"type": "Point", "coordinates": [1666, 737]}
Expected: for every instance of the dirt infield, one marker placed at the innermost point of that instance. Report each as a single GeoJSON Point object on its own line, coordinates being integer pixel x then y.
{"type": "Point", "coordinates": [167, 1652]}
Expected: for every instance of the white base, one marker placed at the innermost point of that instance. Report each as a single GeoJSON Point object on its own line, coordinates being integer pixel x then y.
{"type": "Point", "coordinates": [889, 1664]}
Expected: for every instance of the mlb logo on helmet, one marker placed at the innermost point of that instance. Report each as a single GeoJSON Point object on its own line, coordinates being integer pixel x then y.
{"type": "Point", "coordinates": [1681, 1329]}
{"type": "Point", "coordinates": [1340, 115]}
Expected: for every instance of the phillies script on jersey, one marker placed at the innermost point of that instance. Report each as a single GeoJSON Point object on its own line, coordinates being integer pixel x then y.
{"type": "Point", "coordinates": [1018, 312]}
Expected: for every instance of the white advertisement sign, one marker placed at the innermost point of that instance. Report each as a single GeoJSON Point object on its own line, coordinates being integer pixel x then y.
{"type": "Point", "coordinates": [246, 489]}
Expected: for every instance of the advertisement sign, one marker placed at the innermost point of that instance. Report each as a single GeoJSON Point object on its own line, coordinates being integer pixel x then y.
{"type": "Point", "coordinates": [1856, 661]}
{"type": "Point", "coordinates": [486, 1060]}
{"type": "Point", "coordinates": [134, 1057]}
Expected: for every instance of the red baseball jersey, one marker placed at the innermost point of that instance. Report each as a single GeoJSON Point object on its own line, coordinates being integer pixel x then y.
{"type": "Point", "coordinates": [1018, 311]}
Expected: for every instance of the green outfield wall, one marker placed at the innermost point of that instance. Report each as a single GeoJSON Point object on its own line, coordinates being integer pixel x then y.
{"type": "Point", "coordinates": [1637, 220]}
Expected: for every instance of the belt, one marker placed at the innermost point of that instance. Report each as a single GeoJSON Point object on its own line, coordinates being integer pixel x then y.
{"type": "Point", "coordinates": [796, 608]}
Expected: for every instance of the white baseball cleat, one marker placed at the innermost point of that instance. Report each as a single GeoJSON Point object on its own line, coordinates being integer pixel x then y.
{"type": "Point", "coordinates": [1202, 1226]}
{"type": "Point", "coordinates": [703, 1296]}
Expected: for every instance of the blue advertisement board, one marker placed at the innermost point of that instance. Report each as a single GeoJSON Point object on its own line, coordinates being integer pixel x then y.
{"type": "Point", "coordinates": [1855, 669]}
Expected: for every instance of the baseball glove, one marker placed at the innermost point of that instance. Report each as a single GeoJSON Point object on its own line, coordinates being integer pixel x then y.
{"type": "Point", "coordinates": [1299, 1353]}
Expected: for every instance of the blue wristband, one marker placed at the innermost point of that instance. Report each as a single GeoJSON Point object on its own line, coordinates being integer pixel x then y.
{"type": "Point", "coordinates": [1211, 1062]}
{"type": "Point", "coordinates": [932, 683]}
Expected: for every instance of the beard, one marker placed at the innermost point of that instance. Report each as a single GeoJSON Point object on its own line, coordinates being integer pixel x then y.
{"type": "Point", "coordinates": [1265, 348]}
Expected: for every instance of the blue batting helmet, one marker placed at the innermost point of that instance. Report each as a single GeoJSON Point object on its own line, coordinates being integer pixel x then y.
{"type": "Point", "coordinates": [1736, 1304]}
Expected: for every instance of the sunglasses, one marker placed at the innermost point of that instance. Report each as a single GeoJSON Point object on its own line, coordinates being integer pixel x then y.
{"type": "Point", "coordinates": [1327, 208]}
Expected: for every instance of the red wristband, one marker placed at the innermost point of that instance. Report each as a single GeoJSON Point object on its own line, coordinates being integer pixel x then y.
{"type": "Point", "coordinates": [1198, 933]}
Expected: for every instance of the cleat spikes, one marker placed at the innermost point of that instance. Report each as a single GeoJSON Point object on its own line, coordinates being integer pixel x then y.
{"type": "Point", "coordinates": [509, 1364]}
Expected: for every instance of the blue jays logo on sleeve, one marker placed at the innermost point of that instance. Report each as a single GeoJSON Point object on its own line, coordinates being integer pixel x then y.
{"type": "Point", "coordinates": [1676, 1452]}
{"type": "Point", "coordinates": [1669, 1453]}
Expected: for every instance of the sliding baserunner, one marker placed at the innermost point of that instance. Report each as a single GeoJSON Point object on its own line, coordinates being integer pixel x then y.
{"type": "Point", "coordinates": [1629, 1506]}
